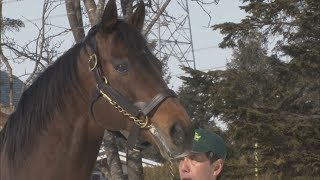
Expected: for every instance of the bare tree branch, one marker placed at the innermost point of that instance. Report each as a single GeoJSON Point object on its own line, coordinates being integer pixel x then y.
{"type": "Point", "coordinates": [40, 50]}
{"type": "Point", "coordinates": [207, 2]}
{"type": "Point", "coordinates": [202, 2]}
{"type": "Point", "coordinates": [39, 41]}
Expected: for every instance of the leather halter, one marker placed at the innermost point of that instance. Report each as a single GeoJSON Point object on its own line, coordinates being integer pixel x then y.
{"type": "Point", "coordinates": [133, 111]}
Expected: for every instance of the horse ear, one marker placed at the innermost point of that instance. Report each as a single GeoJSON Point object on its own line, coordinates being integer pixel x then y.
{"type": "Point", "coordinates": [137, 18]}
{"type": "Point", "coordinates": [110, 15]}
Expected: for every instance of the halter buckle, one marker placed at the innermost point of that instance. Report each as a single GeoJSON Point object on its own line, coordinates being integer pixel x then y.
{"type": "Point", "coordinates": [144, 124]}
{"type": "Point", "coordinates": [104, 79]}
{"type": "Point", "coordinates": [93, 61]}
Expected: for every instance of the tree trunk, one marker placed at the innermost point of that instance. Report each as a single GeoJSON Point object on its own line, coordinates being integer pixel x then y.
{"type": "Point", "coordinates": [74, 14]}
{"type": "Point", "coordinates": [94, 10]}
{"type": "Point", "coordinates": [111, 166]}
{"type": "Point", "coordinates": [134, 165]}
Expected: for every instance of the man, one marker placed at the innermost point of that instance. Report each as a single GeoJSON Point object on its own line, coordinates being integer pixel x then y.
{"type": "Point", "coordinates": [206, 160]}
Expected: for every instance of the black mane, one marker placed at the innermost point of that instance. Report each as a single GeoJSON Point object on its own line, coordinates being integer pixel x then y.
{"type": "Point", "coordinates": [47, 94]}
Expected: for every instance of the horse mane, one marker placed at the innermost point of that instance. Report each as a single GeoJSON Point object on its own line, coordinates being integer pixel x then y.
{"type": "Point", "coordinates": [46, 95]}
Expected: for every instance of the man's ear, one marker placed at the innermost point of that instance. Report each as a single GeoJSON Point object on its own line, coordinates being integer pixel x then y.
{"type": "Point", "coordinates": [217, 167]}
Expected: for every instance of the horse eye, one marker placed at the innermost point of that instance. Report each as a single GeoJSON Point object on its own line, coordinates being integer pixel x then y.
{"type": "Point", "coordinates": [122, 68]}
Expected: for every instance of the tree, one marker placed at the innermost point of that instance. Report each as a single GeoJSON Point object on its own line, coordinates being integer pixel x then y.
{"type": "Point", "coordinates": [264, 100]}
{"type": "Point", "coordinates": [297, 24]}
{"type": "Point", "coordinates": [194, 95]}
{"type": "Point", "coordinates": [247, 99]}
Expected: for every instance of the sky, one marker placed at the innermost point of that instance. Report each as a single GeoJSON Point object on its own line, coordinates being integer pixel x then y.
{"type": "Point", "coordinates": [205, 41]}
{"type": "Point", "coordinates": [208, 56]}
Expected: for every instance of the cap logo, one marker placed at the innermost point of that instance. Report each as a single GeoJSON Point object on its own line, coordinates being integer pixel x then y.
{"type": "Point", "coordinates": [196, 136]}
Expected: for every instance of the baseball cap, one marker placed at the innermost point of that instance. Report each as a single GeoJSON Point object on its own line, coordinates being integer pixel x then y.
{"type": "Point", "coordinates": [205, 141]}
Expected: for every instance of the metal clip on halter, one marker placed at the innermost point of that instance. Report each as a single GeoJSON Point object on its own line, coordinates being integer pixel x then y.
{"type": "Point", "coordinates": [93, 62]}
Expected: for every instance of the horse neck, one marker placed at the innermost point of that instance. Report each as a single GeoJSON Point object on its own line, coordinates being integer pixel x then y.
{"type": "Point", "coordinates": [67, 151]}
{"type": "Point", "coordinates": [74, 137]}
{"type": "Point", "coordinates": [75, 140]}
{"type": "Point", "coordinates": [66, 148]}
{"type": "Point", "coordinates": [73, 122]}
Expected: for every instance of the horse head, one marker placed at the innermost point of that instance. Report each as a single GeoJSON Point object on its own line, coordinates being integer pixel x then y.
{"type": "Point", "coordinates": [126, 79]}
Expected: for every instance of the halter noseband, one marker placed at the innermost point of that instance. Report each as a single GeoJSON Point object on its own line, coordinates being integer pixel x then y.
{"type": "Point", "coordinates": [130, 110]}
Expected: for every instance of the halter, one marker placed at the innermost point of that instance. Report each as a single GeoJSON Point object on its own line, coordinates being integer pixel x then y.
{"type": "Point", "coordinates": [133, 111]}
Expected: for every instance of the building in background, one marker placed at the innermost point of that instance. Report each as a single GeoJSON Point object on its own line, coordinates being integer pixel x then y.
{"type": "Point", "coordinates": [4, 90]}
{"type": "Point", "coordinates": [5, 108]}
{"type": "Point", "coordinates": [96, 175]}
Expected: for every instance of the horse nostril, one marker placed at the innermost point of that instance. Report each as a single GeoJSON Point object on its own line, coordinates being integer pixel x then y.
{"type": "Point", "coordinates": [178, 134]}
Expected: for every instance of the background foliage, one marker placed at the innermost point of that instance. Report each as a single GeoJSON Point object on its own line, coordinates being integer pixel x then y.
{"type": "Point", "coordinates": [268, 98]}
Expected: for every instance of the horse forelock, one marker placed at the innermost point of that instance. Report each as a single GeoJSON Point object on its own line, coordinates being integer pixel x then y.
{"type": "Point", "coordinates": [137, 45]}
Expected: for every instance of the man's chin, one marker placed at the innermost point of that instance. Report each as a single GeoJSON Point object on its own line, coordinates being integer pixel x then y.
{"type": "Point", "coordinates": [185, 178]}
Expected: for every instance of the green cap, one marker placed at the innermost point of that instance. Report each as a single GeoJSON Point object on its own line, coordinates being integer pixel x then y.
{"type": "Point", "coordinates": [205, 141]}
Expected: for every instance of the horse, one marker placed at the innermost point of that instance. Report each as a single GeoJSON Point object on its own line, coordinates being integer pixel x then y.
{"type": "Point", "coordinates": [110, 80]}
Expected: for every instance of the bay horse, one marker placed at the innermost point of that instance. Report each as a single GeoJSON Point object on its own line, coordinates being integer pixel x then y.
{"type": "Point", "coordinates": [111, 81]}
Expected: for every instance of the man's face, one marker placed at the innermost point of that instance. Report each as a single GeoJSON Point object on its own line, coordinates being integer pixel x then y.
{"type": "Point", "coordinates": [196, 166]}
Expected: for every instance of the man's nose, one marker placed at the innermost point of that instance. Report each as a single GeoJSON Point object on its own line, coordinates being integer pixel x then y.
{"type": "Point", "coordinates": [184, 166]}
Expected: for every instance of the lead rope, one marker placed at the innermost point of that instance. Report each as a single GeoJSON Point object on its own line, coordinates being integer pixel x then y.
{"type": "Point", "coordinates": [171, 170]}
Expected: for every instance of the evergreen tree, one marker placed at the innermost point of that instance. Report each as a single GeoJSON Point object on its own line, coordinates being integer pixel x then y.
{"type": "Point", "coordinates": [297, 25]}
{"type": "Point", "coordinates": [251, 97]}
{"type": "Point", "coordinates": [265, 101]}
{"type": "Point", "coordinates": [194, 95]}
